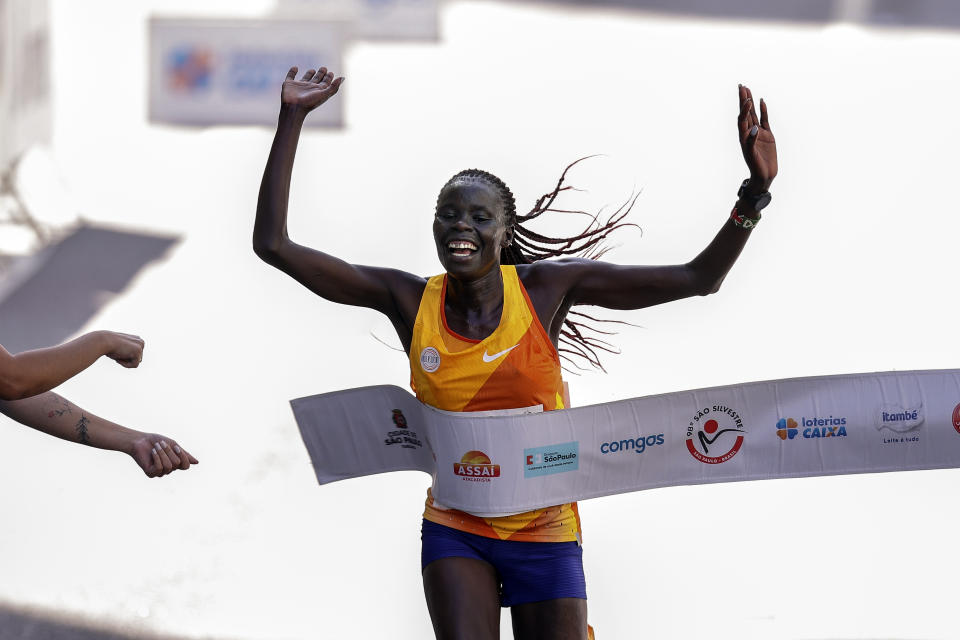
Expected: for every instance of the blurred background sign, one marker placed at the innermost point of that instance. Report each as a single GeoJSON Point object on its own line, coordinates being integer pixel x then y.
{"type": "Point", "coordinates": [372, 19]}
{"type": "Point", "coordinates": [208, 72]}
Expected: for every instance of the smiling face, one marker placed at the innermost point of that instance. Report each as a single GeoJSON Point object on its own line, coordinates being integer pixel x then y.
{"type": "Point", "coordinates": [470, 228]}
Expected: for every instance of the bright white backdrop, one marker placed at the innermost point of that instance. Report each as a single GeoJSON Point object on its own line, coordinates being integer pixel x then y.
{"type": "Point", "coordinates": [852, 269]}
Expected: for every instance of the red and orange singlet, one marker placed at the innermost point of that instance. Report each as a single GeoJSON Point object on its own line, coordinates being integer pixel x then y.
{"type": "Point", "coordinates": [515, 366]}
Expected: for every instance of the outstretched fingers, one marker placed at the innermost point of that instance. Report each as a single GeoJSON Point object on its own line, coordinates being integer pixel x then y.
{"type": "Point", "coordinates": [307, 75]}
{"type": "Point", "coordinates": [764, 117]}
{"type": "Point", "coordinates": [748, 122]}
{"type": "Point", "coordinates": [292, 74]}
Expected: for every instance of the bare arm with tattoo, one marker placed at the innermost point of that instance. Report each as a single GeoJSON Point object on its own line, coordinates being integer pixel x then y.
{"type": "Point", "coordinates": [51, 413]}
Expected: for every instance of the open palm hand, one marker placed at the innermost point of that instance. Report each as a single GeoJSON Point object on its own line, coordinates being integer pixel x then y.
{"type": "Point", "coordinates": [311, 90]}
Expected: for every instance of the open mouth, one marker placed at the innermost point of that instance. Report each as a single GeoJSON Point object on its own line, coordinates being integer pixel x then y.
{"type": "Point", "coordinates": [462, 248]}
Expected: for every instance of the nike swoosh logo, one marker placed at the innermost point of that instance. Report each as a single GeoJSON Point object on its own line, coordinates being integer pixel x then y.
{"type": "Point", "coordinates": [487, 358]}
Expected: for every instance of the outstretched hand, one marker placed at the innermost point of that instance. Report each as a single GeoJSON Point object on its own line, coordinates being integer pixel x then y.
{"type": "Point", "coordinates": [311, 90]}
{"type": "Point", "coordinates": [158, 455]}
{"type": "Point", "coordinates": [756, 141]}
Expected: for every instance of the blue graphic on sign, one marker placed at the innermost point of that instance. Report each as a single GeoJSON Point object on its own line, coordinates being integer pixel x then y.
{"type": "Point", "coordinates": [554, 458]}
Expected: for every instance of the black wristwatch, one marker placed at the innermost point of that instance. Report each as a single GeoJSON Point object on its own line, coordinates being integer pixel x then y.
{"type": "Point", "coordinates": [756, 202]}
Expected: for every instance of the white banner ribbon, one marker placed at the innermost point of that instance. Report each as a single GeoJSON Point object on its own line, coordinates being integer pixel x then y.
{"type": "Point", "coordinates": [497, 463]}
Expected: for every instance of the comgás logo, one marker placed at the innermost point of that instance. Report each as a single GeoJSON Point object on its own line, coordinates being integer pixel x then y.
{"type": "Point", "coordinates": [475, 466]}
{"type": "Point", "coordinates": [715, 434]}
{"type": "Point", "coordinates": [829, 427]}
{"type": "Point", "coordinates": [956, 418]}
{"type": "Point", "coordinates": [638, 444]}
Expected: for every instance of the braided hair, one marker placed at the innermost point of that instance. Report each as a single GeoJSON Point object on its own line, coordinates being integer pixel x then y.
{"type": "Point", "coordinates": [577, 340]}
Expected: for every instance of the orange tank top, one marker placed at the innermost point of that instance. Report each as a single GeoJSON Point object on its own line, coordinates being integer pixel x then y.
{"type": "Point", "coordinates": [515, 366]}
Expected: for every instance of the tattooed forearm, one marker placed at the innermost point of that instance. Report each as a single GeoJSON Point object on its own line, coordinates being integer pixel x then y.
{"type": "Point", "coordinates": [58, 406]}
{"type": "Point", "coordinates": [81, 430]}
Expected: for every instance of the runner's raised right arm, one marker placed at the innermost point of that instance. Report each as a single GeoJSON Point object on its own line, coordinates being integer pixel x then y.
{"type": "Point", "coordinates": [325, 275]}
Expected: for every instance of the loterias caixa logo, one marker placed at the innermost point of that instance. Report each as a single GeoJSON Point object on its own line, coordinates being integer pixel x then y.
{"type": "Point", "coordinates": [715, 434]}
{"type": "Point", "coordinates": [402, 435]}
{"type": "Point", "coordinates": [816, 427]}
{"type": "Point", "coordinates": [476, 466]}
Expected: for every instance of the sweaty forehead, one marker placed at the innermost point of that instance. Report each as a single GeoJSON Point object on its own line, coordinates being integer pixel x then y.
{"type": "Point", "coordinates": [471, 192]}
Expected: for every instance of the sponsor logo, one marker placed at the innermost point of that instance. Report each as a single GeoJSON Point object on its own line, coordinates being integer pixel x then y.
{"type": "Point", "coordinates": [896, 418]}
{"type": "Point", "coordinates": [487, 358]}
{"type": "Point", "coordinates": [787, 428]}
{"type": "Point", "coordinates": [402, 435]}
{"type": "Point", "coordinates": [715, 434]}
{"type": "Point", "coordinates": [554, 458]}
{"type": "Point", "coordinates": [956, 418]}
{"type": "Point", "coordinates": [189, 69]}
{"type": "Point", "coordinates": [904, 423]}
{"type": "Point", "coordinates": [638, 444]}
{"type": "Point", "coordinates": [829, 427]}
{"type": "Point", "coordinates": [430, 359]}
{"type": "Point", "coordinates": [475, 466]}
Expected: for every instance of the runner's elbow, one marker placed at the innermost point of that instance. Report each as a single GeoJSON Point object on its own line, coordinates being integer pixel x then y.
{"type": "Point", "coordinates": [704, 286]}
{"type": "Point", "coordinates": [266, 250]}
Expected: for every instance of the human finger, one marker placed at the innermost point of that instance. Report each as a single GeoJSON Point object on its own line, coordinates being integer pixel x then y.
{"type": "Point", "coordinates": [166, 463]}
{"type": "Point", "coordinates": [751, 140]}
{"type": "Point", "coordinates": [307, 75]}
{"type": "Point", "coordinates": [189, 456]}
{"type": "Point", "coordinates": [292, 74]}
{"type": "Point", "coordinates": [328, 77]}
{"type": "Point", "coordinates": [182, 455]}
{"type": "Point", "coordinates": [171, 453]}
{"type": "Point", "coordinates": [751, 111]}
{"type": "Point", "coordinates": [764, 116]}
{"type": "Point", "coordinates": [321, 74]}
{"type": "Point", "coordinates": [743, 120]}
{"type": "Point", "coordinates": [156, 466]}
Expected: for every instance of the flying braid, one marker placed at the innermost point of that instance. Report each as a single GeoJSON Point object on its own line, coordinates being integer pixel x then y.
{"type": "Point", "coordinates": [529, 246]}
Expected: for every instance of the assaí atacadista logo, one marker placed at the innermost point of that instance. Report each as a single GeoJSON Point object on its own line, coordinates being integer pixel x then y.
{"type": "Point", "coordinates": [476, 466]}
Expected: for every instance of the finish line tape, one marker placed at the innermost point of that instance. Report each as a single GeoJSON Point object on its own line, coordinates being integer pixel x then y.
{"type": "Point", "coordinates": [498, 463]}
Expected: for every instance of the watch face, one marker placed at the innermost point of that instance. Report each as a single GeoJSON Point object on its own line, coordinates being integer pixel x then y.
{"type": "Point", "coordinates": [762, 200]}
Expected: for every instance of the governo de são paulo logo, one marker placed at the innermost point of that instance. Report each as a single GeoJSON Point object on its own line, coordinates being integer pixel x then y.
{"type": "Point", "coordinates": [715, 434]}
{"type": "Point", "coordinates": [476, 466]}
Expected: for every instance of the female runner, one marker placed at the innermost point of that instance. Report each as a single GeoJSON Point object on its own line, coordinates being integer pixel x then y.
{"type": "Point", "coordinates": [484, 335]}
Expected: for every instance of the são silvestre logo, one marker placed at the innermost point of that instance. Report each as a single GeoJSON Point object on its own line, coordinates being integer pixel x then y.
{"type": "Point", "coordinates": [715, 434]}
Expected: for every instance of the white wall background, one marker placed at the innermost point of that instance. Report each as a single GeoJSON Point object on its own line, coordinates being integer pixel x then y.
{"type": "Point", "coordinates": [853, 269]}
